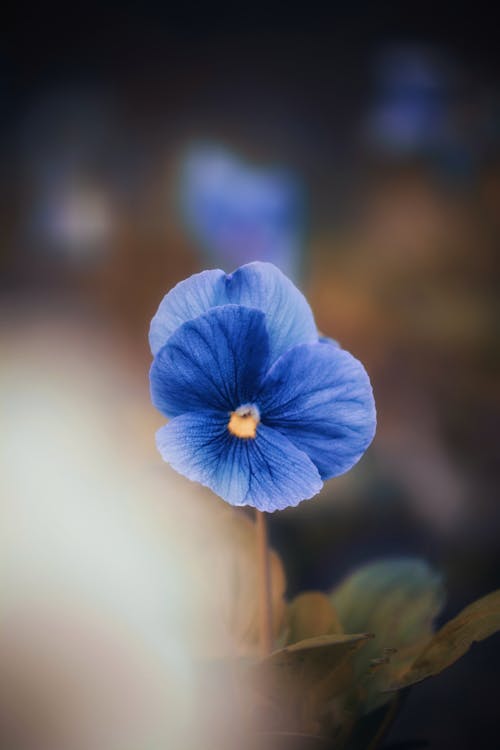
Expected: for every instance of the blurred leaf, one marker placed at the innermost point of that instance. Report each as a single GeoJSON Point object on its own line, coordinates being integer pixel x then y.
{"type": "Point", "coordinates": [397, 600]}
{"type": "Point", "coordinates": [475, 623]}
{"type": "Point", "coordinates": [222, 562]}
{"type": "Point", "coordinates": [309, 615]}
{"type": "Point", "coordinates": [238, 560]}
{"type": "Point", "coordinates": [298, 684]}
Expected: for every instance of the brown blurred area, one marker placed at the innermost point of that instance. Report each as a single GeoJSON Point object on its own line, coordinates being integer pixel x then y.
{"type": "Point", "coordinates": [400, 258]}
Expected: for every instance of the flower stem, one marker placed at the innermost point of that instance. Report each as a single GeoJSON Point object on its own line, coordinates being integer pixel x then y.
{"type": "Point", "coordinates": [264, 584]}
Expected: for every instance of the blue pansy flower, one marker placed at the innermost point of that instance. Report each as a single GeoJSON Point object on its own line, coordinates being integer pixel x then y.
{"type": "Point", "coordinates": [261, 411]}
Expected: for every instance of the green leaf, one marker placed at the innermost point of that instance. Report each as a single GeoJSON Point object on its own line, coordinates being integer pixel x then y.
{"type": "Point", "coordinates": [298, 683]}
{"type": "Point", "coordinates": [309, 615]}
{"type": "Point", "coordinates": [475, 623]}
{"type": "Point", "coordinates": [397, 600]}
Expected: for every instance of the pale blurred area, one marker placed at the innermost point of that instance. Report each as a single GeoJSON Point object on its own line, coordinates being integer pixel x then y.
{"type": "Point", "coordinates": [367, 165]}
{"type": "Point", "coordinates": [117, 578]}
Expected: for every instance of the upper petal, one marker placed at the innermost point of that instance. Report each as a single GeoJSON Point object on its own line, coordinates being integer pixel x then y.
{"type": "Point", "coordinates": [321, 398]}
{"type": "Point", "coordinates": [289, 319]}
{"type": "Point", "coordinates": [186, 301]}
{"type": "Point", "coordinates": [215, 361]}
{"type": "Point", "coordinates": [268, 472]}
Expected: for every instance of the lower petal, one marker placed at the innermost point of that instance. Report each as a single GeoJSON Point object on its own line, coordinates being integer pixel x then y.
{"type": "Point", "coordinates": [267, 472]}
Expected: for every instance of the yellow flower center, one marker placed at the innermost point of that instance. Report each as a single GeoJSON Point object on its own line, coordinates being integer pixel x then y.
{"type": "Point", "coordinates": [243, 422]}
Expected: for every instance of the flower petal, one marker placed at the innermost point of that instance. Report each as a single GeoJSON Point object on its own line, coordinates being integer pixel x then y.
{"type": "Point", "coordinates": [320, 397]}
{"type": "Point", "coordinates": [268, 472]}
{"type": "Point", "coordinates": [186, 301]}
{"type": "Point", "coordinates": [215, 361]}
{"type": "Point", "coordinates": [289, 319]}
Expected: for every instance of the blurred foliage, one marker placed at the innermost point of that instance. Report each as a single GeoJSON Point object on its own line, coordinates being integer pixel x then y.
{"type": "Point", "coordinates": [475, 623]}
{"type": "Point", "coordinates": [346, 654]}
{"type": "Point", "coordinates": [397, 600]}
{"type": "Point", "coordinates": [218, 552]}
{"type": "Point", "coordinates": [302, 685]}
{"type": "Point", "coordinates": [309, 615]}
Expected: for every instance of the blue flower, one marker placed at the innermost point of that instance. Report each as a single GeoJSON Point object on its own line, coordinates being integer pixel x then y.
{"type": "Point", "coordinates": [238, 213]}
{"type": "Point", "coordinates": [261, 411]}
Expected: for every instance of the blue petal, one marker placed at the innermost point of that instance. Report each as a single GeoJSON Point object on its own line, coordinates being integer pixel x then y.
{"type": "Point", "coordinates": [328, 340]}
{"type": "Point", "coordinates": [320, 397]}
{"type": "Point", "coordinates": [289, 319]}
{"type": "Point", "coordinates": [186, 301]}
{"type": "Point", "coordinates": [216, 361]}
{"type": "Point", "coordinates": [268, 472]}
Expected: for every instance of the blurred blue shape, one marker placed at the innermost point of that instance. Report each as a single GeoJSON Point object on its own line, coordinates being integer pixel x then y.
{"type": "Point", "coordinates": [238, 213]}
{"type": "Point", "coordinates": [413, 102]}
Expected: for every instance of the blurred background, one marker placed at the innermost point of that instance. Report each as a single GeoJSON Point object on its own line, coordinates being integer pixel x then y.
{"type": "Point", "coordinates": [358, 148]}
